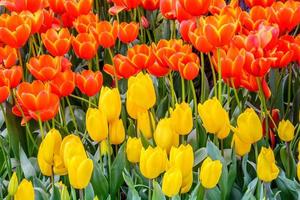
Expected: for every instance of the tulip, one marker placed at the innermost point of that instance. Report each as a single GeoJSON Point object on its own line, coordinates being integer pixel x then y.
{"type": "Point", "coordinates": [214, 117]}
{"type": "Point", "coordinates": [110, 103]}
{"type": "Point", "coordinates": [168, 9]}
{"type": "Point", "coordinates": [264, 3]}
{"type": "Point", "coordinates": [158, 70]}
{"type": "Point", "coordinates": [35, 20]}
{"type": "Point", "coordinates": [116, 132]}
{"type": "Point", "coordinates": [84, 45]}
{"type": "Point", "coordinates": [165, 135]}
{"type": "Point", "coordinates": [198, 38]}
{"type": "Point", "coordinates": [106, 33]}
{"type": "Point", "coordinates": [49, 21]}
{"type": "Point", "coordinates": [20, 5]}
{"type": "Point", "coordinates": [140, 95]}
{"type": "Point", "coordinates": [8, 56]}
{"type": "Point", "coordinates": [80, 170]}
{"type": "Point", "coordinates": [63, 84]}
{"type": "Point", "coordinates": [57, 42]}
{"type": "Point", "coordinates": [89, 82]}
{"type": "Point", "coordinates": [182, 118]}
{"type": "Point", "coordinates": [128, 32]}
{"type": "Point", "coordinates": [120, 5]}
{"type": "Point", "coordinates": [241, 148]}
{"type": "Point", "coordinates": [133, 149]}
{"type": "Point", "coordinates": [172, 182]}
{"type": "Point", "coordinates": [59, 167]}
{"type": "Point", "coordinates": [57, 6]}
{"type": "Point", "coordinates": [25, 191]}
{"type": "Point", "coordinates": [12, 76]}
{"type": "Point", "coordinates": [298, 171]}
{"type": "Point", "coordinates": [249, 127]}
{"type": "Point", "coordinates": [153, 162]}
{"type": "Point", "coordinates": [49, 147]}
{"type": "Point", "coordinates": [13, 185]}
{"type": "Point", "coordinates": [4, 93]}
{"type": "Point", "coordinates": [76, 8]}
{"type": "Point", "coordinates": [144, 125]}
{"type": "Point", "coordinates": [183, 158]}
{"type": "Point", "coordinates": [286, 130]}
{"type": "Point", "coordinates": [96, 124]}
{"type": "Point", "coordinates": [195, 7]}
{"type": "Point", "coordinates": [141, 56]}
{"type": "Point", "coordinates": [210, 173]}
{"type": "Point", "coordinates": [150, 4]}
{"type": "Point", "coordinates": [84, 23]}
{"type": "Point", "coordinates": [64, 194]}
{"type": "Point", "coordinates": [187, 183]}
{"type": "Point", "coordinates": [44, 67]}
{"type": "Point", "coordinates": [267, 169]}
{"type": "Point", "coordinates": [105, 148]}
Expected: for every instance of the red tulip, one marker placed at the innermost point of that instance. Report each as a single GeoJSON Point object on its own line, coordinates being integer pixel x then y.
{"type": "Point", "coordinates": [89, 82]}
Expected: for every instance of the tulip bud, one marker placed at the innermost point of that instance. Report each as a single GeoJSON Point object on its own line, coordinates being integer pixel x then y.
{"type": "Point", "coordinates": [116, 132]}
{"type": "Point", "coordinates": [298, 171]}
{"type": "Point", "coordinates": [64, 195]}
{"type": "Point", "coordinates": [286, 130]}
{"type": "Point", "coordinates": [24, 191]}
{"type": "Point", "coordinates": [214, 117]}
{"type": "Point", "coordinates": [182, 118]}
{"type": "Point", "coordinates": [172, 181]}
{"type": "Point", "coordinates": [133, 149]}
{"type": "Point", "coordinates": [267, 169]}
{"type": "Point", "coordinates": [105, 148]}
{"type": "Point", "coordinates": [183, 158]}
{"type": "Point", "coordinates": [145, 22]}
{"type": "Point", "coordinates": [153, 162]}
{"type": "Point", "coordinates": [241, 148]}
{"type": "Point", "coordinates": [187, 183]}
{"type": "Point", "coordinates": [165, 136]}
{"type": "Point", "coordinates": [210, 173]}
{"type": "Point", "coordinates": [144, 124]}
{"type": "Point", "coordinates": [110, 103]}
{"type": "Point", "coordinates": [96, 124]}
{"type": "Point", "coordinates": [13, 185]}
{"type": "Point", "coordinates": [249, 127]}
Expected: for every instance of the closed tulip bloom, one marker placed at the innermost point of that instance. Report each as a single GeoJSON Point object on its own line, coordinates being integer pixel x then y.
{"type": "Point", "coordinates": [168, 8]}
{"type": "Point", "coordinates": [133, 149]}
{"type": "Point", "coordinates": [80, 170]}
{"type": "Point", "coordinates": [249, 127]}
{"type": "Point", "coordinates": [63, 84]}
{"type": "Point", "coordinates": [49, 147]}
{"type": "Point", "coordinates": [267, 169]}
{"type": "Point", "coordinates": [153, 162]}
{"type": "Point", "coordinates": [241, 148]}
{"type": "Point", "coordinates": [182, 118]}
{"type": "Point", "coordinates": [150, 4]}
{"type": "Point", "coordinates": [12, 76]}
{"type": "Point", "coordinates": [214, 117]}
{"type": "Point", "coordinates": [84, 45]}
{"type": "Point", "coordinates": [84, 23]}
{"type": "Point", "coordinates": [13, 184]}
{"type": "Point", "coordinates": [4, 93]}
{"type": "Point", "coordinates": [110, 103]}
{"type": "Point", "coordinates": [8, 56]}
{"type": "Point", "coordinates": [183, 158]}
{"type": "Point", "coordinates": [106, 33]}
{"type": "Point", "coordinates": [165, 135]}
{"type": "Point", "coordinates": [116, 132]}
{"type": "Point", "coordinates": [105, 148]}
{"type": "Point", "coordinates": [76, 8]}
{"type": "Point", "coordinates": [144, 124]}
{"type": "Point", "coordinates": [35, 20]}
{"type": "Point", "coordinates": [286, 130]}
{"type": "Point", "coordinates": [128, 32]}
{"type": "Point", "coordinates": [20, 5]}
{"type": "Point", "coordinates": [298, 171]}
{"type": "Point", "coordinates": [57, 6]}
{"type": "Point", "coordinates": [195, 7]}
{"type": "Point", "coordinates": [89, 82]}
{"type": "Point", "coordinates": [187, 183]}
{"type": "Point", "coordinates": [96, 124]}
{"type": "Point", "coordinates": [25, 191]}
{"type": "Point", "coordinates": [210, 173]}
{"type": "Point", "coordinates": [172, 182]}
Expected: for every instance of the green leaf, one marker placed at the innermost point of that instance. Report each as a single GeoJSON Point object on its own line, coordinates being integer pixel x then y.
{"type": "Point", "coordinates": [55, 195]}
{"type": "Point", "coordinates": [162, 107]}
{"type": "Point", "coordinates": [26, 165]}
{"type": "Point", "coordinates": [289, 188]}
{"type": "Point", "coordinates": [99, 181]}
{"type": "Point", "coordinates": [214, 193]}
{"type": "Point", "coordinates": [200, 155]}
{"type": "Point", "coordinates": [247, 177]}
{"type": "Point", "coordinates": [89, 192]}
{"type": "Point", "coordinates": [132, 190]}
{"type": "Point", "coordinates": [250, 190]}
{"type": "Point", "coordinates": [157, 192]}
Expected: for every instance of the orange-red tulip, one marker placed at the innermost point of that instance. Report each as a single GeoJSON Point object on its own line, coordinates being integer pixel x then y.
{"type": "Point", "coordinates": [83, 23]}
{"type": "Point", "coordinates": [50, 21]}
{"type": "Point", "coordinates": [63, 84]}
{"type": "Point", "coordinates": [263, 3]}
{"type": "Point", "coordinates": [21, 5]}
{"type": "Point", "coordinates": [150, 4]}
{"type": "Point", "coordinates": [57, 42]}
{"type": "Point", "coordinates": [141, 56]}
{"type": "Point", "coordinates": [120, 5]}
{"type": "Point", "coordinates": [8, 56]}
{"type": "Point", "coordinates": [195, 7]}
{"type": "Point", "coordinates": [4, 93]}
{"type": "Point", "coordinates": [76, 8]}
{"type": "Point", "coordinates": [89, 82]}
{"type": "Point", "coordinates": [44, 67]}
{"type": "Point", "coordinates": [181, 13]}
{"type": "Point", "coordinates": [186, 27]}
{"type": "Point", "coordinates": [157, 70]}
{"type": "Point", "coordinates": [106, 33]}
{"type": "Point", "coordinates": [36, 19]}
{"type": "Point", "coordinates": [12, 76]}
{"type": "Point", "coordinates": [128, 32]}
{"type": "Point", "coordinates": [168, 8]}
{"type": "Point", "coordinates": [57, 6]}
{"type": "Point", "coordinates": [85, 45]}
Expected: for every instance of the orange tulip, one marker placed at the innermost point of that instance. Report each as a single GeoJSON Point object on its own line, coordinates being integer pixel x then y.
{"type": "Point", "coordinates": [128, 32]}
{"type": "Point", "coordinates": [157, 70]}
{"type": "Point", "coordinates": [83, 23]}
{"type": "Point", "coordinates": [120, 5]}
{"type": "Point", "coordinates": [14, 30]}
{"type": "Point", "coordinates": [20, 5]}
{"type": "Point", "coordinates": [185, 28]}
{"type": "Point", "coordinates": [141, 56]}
{"type": "Point", "coordinates": [8, 56]}
{"type": "Point", "coordinates": [4, 93]}
{"type": "Point", "coordinates": [150, 4]}
{"type": "Point", "coordinates": [195, 7]}
{"type": "Point", "coordinates": [76, 8]}
{"type": "Point", "coordinates": [57, 42]}
{"type": "Point", "coordinates": [181, 13]}
{"type": "Point", "coordinates": [63, 84]}
{"type": "Point", "coordinates": [168, 9]}
{"type": "Point", "coordinates": [85, 46]}
{"type": "Point", "coordinates": [36, 19]}
{"type": "Point", "coordinates": [12, 76]}
{"type": "Point", "coordinates": [50, 21]}
{"type": "Point", "coordinates": [57, 6]}
{"type": "Point", "coordinates": [89, 82]}
{"type": "Point", "coordinates": [263, 3]}
{"type": "Point", "coordinates": [106, 33]}
{"type": "Point", "coordinates": [38, 101]}
{"type": "Point", "coordinates": [44, 67]}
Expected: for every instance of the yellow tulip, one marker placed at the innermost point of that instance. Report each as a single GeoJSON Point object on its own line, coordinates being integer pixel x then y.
{"type": "Point", "coordinates": [116, 132]}
{"type": "Point", "coordinates": [165, 135]}
{"type": "Point", "coordinates": [182, 158]}
{"type": "Point", "coordinates": [153, 162]}
{"type": "Point", "coordinates": [48, 149]}
{"type": "Point", "coordinates": [144, 123]}
{"type": "Point", "coordinates": [267, 169]}
{"type": "Point", "coordinates": [140, 94]}
{"type": "Point", "coordinates": [298, 171]}
{"type": "Point", "coordinates": [241, 148]}
{"type": "Point", "coordinates": [80, 171]}
{"type": "Point", "coordinates": [286, 130]}
{"type": "Point", "coordinates": [210, 173]}
{"type": "Point", "coordinates": [133, 149]}
{"type": "Point", "coordinates": [187, 183]}
{"type": "Point", "coordinates": [172, 182]}
{"type": "Point", "coordinates": [64, 194]}
{"type": "Point", "coordinates": [71, 146]}
{"type": "Point", "coordinates": [299, 150]}
{"type": "Point", "coordinates": [182, 118]}
{"type": "Point", "coordinates": [249, 127]}
{"type": "Point", "coordinates": [13, 184]}
{"type": "Point", "coordinates": [96, 124]}
{"type": "Point", "coordinates": [214, 117]}
{"type": "Point", "coordinates": [59, 167]}
{"type": "Point", "coordinates": [105, 148]}
{"type": "Point", "coordinates": [24, 191]}
{"type": "Point", "coordinates": [110, 103]}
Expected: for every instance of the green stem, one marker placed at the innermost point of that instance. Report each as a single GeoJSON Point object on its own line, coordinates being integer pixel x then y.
{"type": "Point", "coordinates": [115, 71]}
{"type": "Point", "coordinates": [214, 74]}
{"type": "Point", "coordinates": [202, 78]}
{"type": "Point", "coordinates": [72, 113]}
{"type": "Point", "coordinates": [82, 99]}
{"type": "Point", "coordinates": [236, 95]}
{"type": "Point", "coordinates": [182, 90]}
{"type": "Point", "coordinates": [219, 75]}
{"type": "Point", "coordinates": [201, 192]}
{"type": "Point", "coordinates": [41, 128]}
{"type": "Point", "coordinates": [194, 98]}
{"type": "Point", "coordinates": [173, 100]}
{"type": "Point", "coordinates": [150, 186]}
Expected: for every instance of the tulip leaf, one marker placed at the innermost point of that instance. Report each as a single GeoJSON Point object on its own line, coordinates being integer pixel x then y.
{"type": "Point", "coordinates": [177, 197]}
{"type": "Point", "coordinates": [89, 192]}
{"type": "Point", "coordinates": [290, 189]}
{"type": "Point", "coordinates": [134, 195]}
{"type": "Point", "coordinates": [26, 165]}
{"type": "Point", "coordinates": [246, 176]}
{"type": "Point", "coordinates": [39, 193]}
{"type": "Point", "coordinates": [157, 192]}
{"type": "Point", "coordinates": [288, 161]}
{"type": "Point", "coordinates": [55, 195]}
{"type": "Point", "coordinates": [250, 190]}
{"type": "Point", "coordinates": [214, 193]}
{"type": "Point", "coordinates": [99, 181]}
{"type": "Point", "coordinates": [200, 155]}
{"type": "Point", "coordinates": [162, 107]}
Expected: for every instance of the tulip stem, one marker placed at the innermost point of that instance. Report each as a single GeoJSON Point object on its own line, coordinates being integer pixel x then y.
{"type": "Point", "coordinates": [201, 192]}
{"type": "Point", "coordinates": [182, 90]}
{"type": "Point", "coordinates": [72, 113]}
{"type": "Point", "coordinates": [202, 78]}
{"type": "Point", "coordinates": [150, 186]}
{"type": "Point", "coordinates": [115, 72]}
{"type": "Point", "coordinates": [219, 75]}
{"type": "Point", "coordinates": [194, 97]}
{"type": "Point", "coordinates": [256, 151]}
{"type": "Point", "coordinates": [41, 128]}
{"type": "Point", "coordinates": [288, 159]}
{"type": "Point", "coordinates": [172, 90]}
{"type": "Point", "coordinates": [214, 74]}
{"type": "Point", "coordinates": [83, 99]}
{"type": "Point", "coordinates": [81, 194]}
{"type": "Point", "coordinates": [236, 94]}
